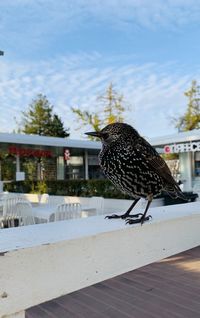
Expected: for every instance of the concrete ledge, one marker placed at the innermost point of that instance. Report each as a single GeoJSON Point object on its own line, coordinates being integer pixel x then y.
{"type": "Point", "coordinates": [45, 261]}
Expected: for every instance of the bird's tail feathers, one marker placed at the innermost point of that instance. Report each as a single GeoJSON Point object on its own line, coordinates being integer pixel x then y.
{"type": "Point", "coordinates": [175, 192]}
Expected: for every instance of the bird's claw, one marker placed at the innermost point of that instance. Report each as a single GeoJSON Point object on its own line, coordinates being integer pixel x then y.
{"type": "Point", "coordinates": [134, 215]}
{"type": "Point", "coordinates": [122, 216]}
{"type": "Point", "coordinates": [141, 220]}
{"type": "Point", "coordinates": [113, 216]}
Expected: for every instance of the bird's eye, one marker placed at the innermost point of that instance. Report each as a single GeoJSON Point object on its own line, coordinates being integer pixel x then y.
{"type": "Point", "coordinates": [105, 136]}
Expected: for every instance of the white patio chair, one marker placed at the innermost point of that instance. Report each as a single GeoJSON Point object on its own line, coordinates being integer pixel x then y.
{"type": "Point", "coordinates": [44, 198]}
{"type": "Point", "coordinates": [10, 203]}
{"type": "Point", "coordinates": [98, 204]}
{"type": "Point", "coordinates": [56, 200]}
{"type": "Point", "coordinates": [9, 221]}
{"type": "Point", "coordinates": [66, 211]}
{"type": "Point", "coordinates": [23, 211]}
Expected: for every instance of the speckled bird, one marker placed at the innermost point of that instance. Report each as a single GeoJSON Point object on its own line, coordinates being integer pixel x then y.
{"type": "Point", "coordinates": [134, 167]}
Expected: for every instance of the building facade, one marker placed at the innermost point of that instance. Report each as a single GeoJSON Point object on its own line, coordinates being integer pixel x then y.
{"type": "Point", "coordinates": [187, 147]}
{"type": "Point", "coordinates": [33, 157]}
{"type": "Point", "coordinates": [37, 158]}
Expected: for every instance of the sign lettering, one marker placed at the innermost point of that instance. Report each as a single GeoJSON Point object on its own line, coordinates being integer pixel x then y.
{"type": "Point", "coordinates": [27, 152]}
{"type": "Point", "coordinates": [184, 147]}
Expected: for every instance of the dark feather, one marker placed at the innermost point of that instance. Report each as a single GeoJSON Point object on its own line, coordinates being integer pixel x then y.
{"type": "Point", "coordinates": [157, 163]}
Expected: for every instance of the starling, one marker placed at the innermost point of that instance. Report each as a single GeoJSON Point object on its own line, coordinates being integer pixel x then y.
{"type": "Point", "coordinates": [134, 167]}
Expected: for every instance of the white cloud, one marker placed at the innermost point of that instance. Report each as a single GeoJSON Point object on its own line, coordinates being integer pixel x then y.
{"type": "Point", "coordinates": [155, 92]}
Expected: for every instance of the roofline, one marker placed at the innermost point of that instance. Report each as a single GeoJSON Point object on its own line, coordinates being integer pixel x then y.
{"type": "Point", "coordinates": [180, 137]}
{"type": "Point", "coordinates": [13, 138]}
{"type": "Point", "coordinates": [48, 141]}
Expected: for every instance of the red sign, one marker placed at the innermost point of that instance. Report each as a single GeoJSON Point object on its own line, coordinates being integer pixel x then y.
{"type": "Point", "coordinates": [28, 152]}
{"type": "Point", "coordinates": [66, 154]}
{"type": "Point", "coordinates": [167, 149]}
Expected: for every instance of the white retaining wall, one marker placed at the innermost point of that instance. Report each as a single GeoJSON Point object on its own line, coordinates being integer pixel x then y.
{"type": "Point", "coordinates": [41, 262]}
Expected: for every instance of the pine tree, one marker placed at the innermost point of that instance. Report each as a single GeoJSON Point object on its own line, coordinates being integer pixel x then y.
{"type": "Point", "coordinates": [56, 128]}
{"type": "Point", "coordinates": [39, 119]}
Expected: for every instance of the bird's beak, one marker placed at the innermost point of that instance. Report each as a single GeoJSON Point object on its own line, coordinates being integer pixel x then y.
{"type": "Point", "coordinates": [96, 134]}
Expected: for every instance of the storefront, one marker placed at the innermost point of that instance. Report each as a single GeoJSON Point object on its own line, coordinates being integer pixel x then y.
{"type": "Point", "coordinates": [37, 157]}
{"type": "Point", "coordinates": [187, 147]}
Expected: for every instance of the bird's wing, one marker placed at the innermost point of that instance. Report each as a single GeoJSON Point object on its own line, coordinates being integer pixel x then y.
{"type": "Point", "coordinates": [154, 160]}
{"type": "Point", "coordinates": [157, 163]}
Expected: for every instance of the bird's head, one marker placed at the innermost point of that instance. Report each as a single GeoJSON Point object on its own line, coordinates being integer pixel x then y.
{"type": "Point", "coordinates": [113, 132]}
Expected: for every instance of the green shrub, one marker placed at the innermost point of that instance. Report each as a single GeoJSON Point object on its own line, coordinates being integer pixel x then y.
{"type": "Point", "coordinates": [82, 188]}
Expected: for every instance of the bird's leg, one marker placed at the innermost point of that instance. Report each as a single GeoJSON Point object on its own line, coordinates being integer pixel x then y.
{"type": "Point", "coordinates": [143, 217]}
{"type": "Point", "coordinates": [127, 214]}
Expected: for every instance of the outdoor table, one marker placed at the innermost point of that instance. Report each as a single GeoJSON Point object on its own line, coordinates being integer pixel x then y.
{"type": "Point", "coordinates": [44, 211]}
{"type": "Point", "coordinates": [87, 211]}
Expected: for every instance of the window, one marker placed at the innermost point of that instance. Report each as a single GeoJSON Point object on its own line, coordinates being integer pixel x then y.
{"type": "Point", "coordinates": [197, 164]}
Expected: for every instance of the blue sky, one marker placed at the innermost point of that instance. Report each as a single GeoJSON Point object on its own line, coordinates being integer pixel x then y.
{"type": "Point", "coordinates": [70, 50]}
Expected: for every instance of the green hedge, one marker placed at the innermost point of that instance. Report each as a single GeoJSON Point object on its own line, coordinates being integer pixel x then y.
{"type": "Point", "coordinates": [82, 188]}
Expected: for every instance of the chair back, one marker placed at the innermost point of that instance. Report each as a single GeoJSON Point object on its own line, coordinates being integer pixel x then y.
{"type": "Point", "coordinates": [97, 203]}
{"type": "Point", "coordinates": [9, 221]}
{"type": "Point", "coordinates": [9, 204]}
{"type": "Point", "coordinates": [56, 200]}
{"type": "Point", "coordinates": [44, 198]}
{"type": "Point", "coordinates": [66, 211]}
{"type": "Point", "coordinates": [24, 213]}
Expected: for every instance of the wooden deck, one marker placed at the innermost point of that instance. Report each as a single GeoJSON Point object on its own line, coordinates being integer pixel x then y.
{"type": "Point", "coordinates": [168, 289]}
